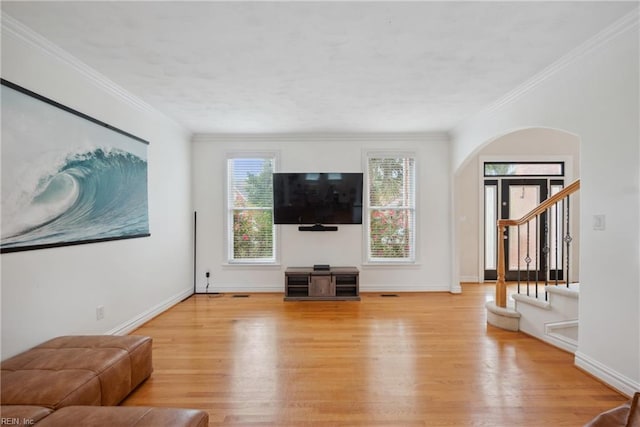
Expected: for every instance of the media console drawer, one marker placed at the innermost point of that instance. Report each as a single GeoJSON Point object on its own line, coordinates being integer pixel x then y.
{"type": "Point", "coordinates": [334, 284]}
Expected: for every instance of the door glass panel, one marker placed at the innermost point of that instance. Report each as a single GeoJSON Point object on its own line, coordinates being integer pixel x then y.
{"type": "Point", "coordinates": [555, 231]}
{"type": "Point", "coordinates": [490, 226]}
{"type": "Point", "coordinates": [522, 199]}
{"type": "Point", "coordinates": [524, 169]}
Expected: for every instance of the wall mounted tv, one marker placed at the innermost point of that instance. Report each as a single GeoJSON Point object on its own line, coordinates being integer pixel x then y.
{"type": "Point", "coordinates": [317, 198]}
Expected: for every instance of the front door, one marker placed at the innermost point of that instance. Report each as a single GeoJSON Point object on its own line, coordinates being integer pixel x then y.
{"type": "Point", "coordinates": [511, 190]}
{"type": "Point", "coordinates": [524, 259]}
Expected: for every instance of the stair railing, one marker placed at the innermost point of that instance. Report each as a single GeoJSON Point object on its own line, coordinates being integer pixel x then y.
{"type": "Point", "coordinates": [555, 213]}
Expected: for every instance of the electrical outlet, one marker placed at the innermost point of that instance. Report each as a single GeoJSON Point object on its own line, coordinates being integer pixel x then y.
{"type": "Point", "coordinates": [100, 312]}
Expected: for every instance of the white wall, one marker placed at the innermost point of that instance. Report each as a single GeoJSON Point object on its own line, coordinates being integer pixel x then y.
{"type": "Point", "coordinates": [56, 291]}
{"type": "Point", "coordinates": [595, 96]}
{"type": "Point", "coordinates": [521, 145]}
{"type": "Point", "coordinates": [345, 247]}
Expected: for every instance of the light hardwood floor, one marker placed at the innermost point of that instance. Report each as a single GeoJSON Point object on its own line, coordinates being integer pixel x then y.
{"type": "Point", "coordinates": [418, 359]}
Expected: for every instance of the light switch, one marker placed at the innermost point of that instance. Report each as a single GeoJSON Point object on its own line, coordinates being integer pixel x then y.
{"type": "Point", "coordinates": [599, 223]}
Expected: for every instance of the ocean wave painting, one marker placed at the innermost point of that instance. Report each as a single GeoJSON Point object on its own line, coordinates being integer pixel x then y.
{"type": "Point", "coordinates": [66, 178]}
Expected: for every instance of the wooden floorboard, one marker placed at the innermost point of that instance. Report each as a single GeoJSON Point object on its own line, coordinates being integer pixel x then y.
{"type": "Point", "coordinates": [418, 359]}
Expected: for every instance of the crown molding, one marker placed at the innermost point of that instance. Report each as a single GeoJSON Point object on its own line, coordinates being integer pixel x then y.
{"type": "Point", "coordinates": [622, 25]}
{"type": "Point", "coordinates": [14, 28]}
{"type": "Point", "coordinates": [322, 137]}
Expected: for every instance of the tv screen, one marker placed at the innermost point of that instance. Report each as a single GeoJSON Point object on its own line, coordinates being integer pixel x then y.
{"type": "Point", "coordinates": [317, 198]}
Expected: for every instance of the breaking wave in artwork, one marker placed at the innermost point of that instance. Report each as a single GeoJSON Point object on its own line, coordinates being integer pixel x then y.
{"type": "Point", "coordinates": [99, 194]}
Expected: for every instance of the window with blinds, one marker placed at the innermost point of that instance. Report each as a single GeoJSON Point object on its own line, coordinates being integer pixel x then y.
{"type": "Point", "coordinates": [251, 234]}
{"type": "Point", "coordinates": [391, 208]}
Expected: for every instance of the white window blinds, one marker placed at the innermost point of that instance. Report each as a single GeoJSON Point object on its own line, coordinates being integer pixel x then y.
{"type": "Point", "coordinates": [391, 208]}
{"type": "Point", "coordinates": [251, 236]}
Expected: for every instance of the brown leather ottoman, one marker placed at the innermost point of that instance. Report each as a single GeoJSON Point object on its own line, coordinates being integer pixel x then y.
{"type": "Point", "coordinates": [125, 416]}
{"type": "Point", "coordinates": [76, 370]}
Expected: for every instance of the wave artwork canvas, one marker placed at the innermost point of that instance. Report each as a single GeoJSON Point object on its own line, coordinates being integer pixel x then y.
{"type": "Point", "coordinates": [67, 178]}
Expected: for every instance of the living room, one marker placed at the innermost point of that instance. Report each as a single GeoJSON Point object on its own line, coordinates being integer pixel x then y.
{"type": "Point", "coordinates": [591, 92]}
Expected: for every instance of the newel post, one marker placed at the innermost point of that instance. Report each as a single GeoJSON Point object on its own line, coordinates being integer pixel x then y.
{"type": "Point", "coordinates": [501, 286]}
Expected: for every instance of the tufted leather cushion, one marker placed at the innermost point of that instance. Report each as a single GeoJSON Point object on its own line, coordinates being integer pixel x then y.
{"type": "Point", "coordinates": [125, 416]}
{"type": "Point", "coordinates": [76, 370]}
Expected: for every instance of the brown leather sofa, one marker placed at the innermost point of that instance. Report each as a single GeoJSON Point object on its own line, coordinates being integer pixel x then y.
{"type": "Point", "coordinates": [77, 380]}
{"type": "Point", "coordinates": [625, 415]}
{"type": "Point", "coordinates": [104, 416]}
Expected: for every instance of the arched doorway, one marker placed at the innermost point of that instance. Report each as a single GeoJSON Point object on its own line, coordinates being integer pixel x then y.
{"type": "Point", "coordinates": [514, 152]}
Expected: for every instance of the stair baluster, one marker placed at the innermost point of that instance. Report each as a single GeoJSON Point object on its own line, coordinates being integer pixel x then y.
{"type": "Point", "coordinates": [560, 203]}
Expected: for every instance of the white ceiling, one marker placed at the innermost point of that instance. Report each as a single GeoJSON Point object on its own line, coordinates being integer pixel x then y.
{"type": "Point", "coordinates": [276, 67]}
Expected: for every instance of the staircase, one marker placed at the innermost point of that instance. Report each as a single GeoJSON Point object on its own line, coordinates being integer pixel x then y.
{"type": "Point", "coordinates": [544, 306]}
{"type": "Point", "coordinates": [554, 321]}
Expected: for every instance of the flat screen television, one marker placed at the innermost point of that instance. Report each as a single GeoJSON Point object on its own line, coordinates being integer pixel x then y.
{"type": "Point", "coordinates": [317, 198]}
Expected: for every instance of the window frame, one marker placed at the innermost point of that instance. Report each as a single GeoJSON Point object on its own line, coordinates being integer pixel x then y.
{"type": "Point", "coordinates": [568, 170]}
{"type": "Point", "coordinates": [559, 163]}
{"type": "Point", "coordinates": [229, 210]}
{"type": "Point", "coordinates": [413, 208]}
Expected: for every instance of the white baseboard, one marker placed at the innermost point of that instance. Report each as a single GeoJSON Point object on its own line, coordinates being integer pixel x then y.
{"type": "Point", "coordinates": [469, 279]}
{"type": "Point", "coordinates": [455, 289]}
{"type": "Point", "coordinates": [405, 288]}
{"type": "Point", "coordinates": [142, 318]}
{"type": "Point", "coordinates": [613, 378]}
{"type": "Point", "coordinates": [221, 288]}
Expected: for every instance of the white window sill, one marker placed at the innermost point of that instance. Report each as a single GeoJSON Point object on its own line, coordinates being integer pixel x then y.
{"type": "Point", "coordinates": [391, 265]}
{"type": "Point", "coordinates": [260, 265]}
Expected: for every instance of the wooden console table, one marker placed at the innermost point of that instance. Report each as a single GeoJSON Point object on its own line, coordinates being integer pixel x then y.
{"type": "Point", "coordinates": [335, 284]}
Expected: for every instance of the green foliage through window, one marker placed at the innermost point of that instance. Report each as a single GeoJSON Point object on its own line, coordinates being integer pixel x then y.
{"type": "Point", "coordinates": [251, 209]}
{"type": "Point", "coordinates": [391, 208]}
{"type": "Point", "coordinates": [252, 234]}
{"type": "Point", "coordinates": [390, 234]}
